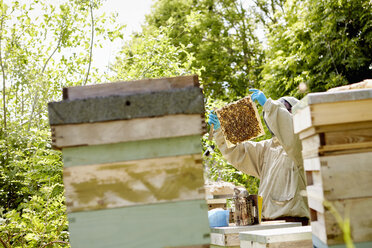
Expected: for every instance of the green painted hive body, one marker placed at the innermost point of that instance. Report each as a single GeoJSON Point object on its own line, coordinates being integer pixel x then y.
{"type": "Point", "coordinates": [133, 175]}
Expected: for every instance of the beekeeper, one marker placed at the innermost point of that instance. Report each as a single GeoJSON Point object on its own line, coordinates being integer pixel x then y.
{"type": "Point", "coordinates": [277, 162]}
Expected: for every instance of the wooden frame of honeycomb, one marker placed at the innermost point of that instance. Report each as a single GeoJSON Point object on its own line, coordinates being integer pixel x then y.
{"type": "Point", "coordinates": [240, 121]}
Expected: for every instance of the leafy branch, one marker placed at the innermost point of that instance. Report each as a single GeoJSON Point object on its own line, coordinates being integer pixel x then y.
{"type": "Point", "coordinates": [3, 69]}
{"type": "Point", "coordinates": [54, 242]}
{"type": "Point", "coordinates": [36, 97]}
{"type": "Point", "coordinates": [3, 243]}
{"type": "Point", "coordinates": [91, 42]}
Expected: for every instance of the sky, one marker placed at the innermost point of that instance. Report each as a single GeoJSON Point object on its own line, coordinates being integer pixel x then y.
{"type": "Point", "coordinates": [132, 14]}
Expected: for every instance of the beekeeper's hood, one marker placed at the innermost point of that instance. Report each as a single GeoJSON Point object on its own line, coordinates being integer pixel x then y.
{"type": "Point", "coordinates": [291, 100]}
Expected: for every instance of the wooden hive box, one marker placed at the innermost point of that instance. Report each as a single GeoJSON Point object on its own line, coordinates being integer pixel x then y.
{"type": "Point", "coordinates": [291, 237]}
{"type": "Point", "coordinates": [217, 194]}
{"type": "Point", "coordinates": [133, 170]}
{"type": "Point", "coordinates": [336, 133]}
{"type": "Point", "coordinates": [229, 236]}
{"type": "Point", "coordinates": [240, 121]}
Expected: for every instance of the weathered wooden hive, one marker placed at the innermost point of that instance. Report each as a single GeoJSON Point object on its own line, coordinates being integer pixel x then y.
{"type": "Point", "coordinates": [288, 237]}
{"type": "Point", "coordinates": [336, 133]}
{"type": "Point", "coordinates": [240, 121]}
{"type": "Point", "coordinates": [133, 170]}
{"type": "Point", "coordinates": [228, 237]}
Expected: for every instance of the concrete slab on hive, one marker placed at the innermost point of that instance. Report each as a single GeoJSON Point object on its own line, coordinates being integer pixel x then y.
{"type": "Point", "coordinates": [138, 105]}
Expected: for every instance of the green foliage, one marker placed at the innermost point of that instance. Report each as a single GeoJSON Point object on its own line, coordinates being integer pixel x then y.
{"type": "Point", "coordinates": [44, 46]}
{"type": "Point", "coordinates": [220, 34]}
{"type": "Point", "coordinates": [217, 169]}
{"type": "Point", "coordinates": [323, 44]}
{"type": "Point", "coordinates": [27, 163]}
{"type": "Point", "coordinates": [32, 207]}
{"type": "Point", "coordinates": [152, 55]}
{"type": "Point", "coordinates": [42, 221]}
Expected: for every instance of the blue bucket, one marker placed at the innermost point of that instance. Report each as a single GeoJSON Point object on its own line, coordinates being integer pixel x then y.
{"type": "Point", "coordinates": [218, 217]}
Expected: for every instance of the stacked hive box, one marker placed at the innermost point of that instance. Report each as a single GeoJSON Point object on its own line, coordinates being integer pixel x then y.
{"type": "Point", "coordinates": [290, 237]}
{"type": "Point", "coordinates": [228, 237]}
{"type": "Point", "coordinates": [336, 133]}
{"type": "Point", "coordinates": [217, 194]}
{"type": "Point", "coordinates": [133, 170]}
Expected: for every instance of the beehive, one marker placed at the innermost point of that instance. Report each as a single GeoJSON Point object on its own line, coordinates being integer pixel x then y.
{"type": "Point", "coordinates": [132, 176]}
{"type": "Point", "coordinates": [228, 237]}
{"type": "Point", "coordinates": [273, 238]}
{"type": "Point", "coordinates": [240, 121]}
{"type": "Point", "coordinates": [335, 129]}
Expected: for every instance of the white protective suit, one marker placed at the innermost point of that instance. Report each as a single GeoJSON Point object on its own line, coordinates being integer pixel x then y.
{"type": "Point", "coordinates": [277, 162]}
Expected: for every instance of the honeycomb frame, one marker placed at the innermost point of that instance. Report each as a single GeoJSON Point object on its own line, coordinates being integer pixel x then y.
{"type": "Point", "coordinates": [240, 121]}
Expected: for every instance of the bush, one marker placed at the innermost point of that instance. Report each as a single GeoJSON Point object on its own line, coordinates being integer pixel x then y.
{"type": "Point", "coordinates": [32, 212]}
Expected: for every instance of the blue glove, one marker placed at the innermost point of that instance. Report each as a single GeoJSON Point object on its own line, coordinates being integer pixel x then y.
{"type": "Point", "coordinates": [259, 96]}
{"type": "Point", "coordinates": [213, 119]}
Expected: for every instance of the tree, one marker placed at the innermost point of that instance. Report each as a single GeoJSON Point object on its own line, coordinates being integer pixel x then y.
{"type": "Point", "coordinates": [321, 43]}
{"type": "Point", "coordinates": [44, 46]}
{"type": "Point", "coordinates": [221, 36]}
{"type": "Point", "coordinates": [152, 55]}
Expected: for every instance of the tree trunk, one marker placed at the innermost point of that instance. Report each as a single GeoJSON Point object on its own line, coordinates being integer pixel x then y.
{"type": "Point", "coordinates": [3, 73]}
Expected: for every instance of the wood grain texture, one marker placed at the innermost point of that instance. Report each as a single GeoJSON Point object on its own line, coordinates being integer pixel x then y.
{"type": "Point", "coordinates": [213, 206]}
{"type": "Point", "coordinates": [264, 225]}
{"type": "Point", "coordinates": [114, 107]}
{"type": "Point", "coordinates": [225, 240]}
{"type": "Point", "coordinates": [290, 244]}
{"type": "Point", "coordinates": [302, 119]}
{"type": "Point", "coordinates": [312, 164]}
{"type": "Point", "coordinates": [183, 223]}
{"type": "Point", "coordinates": [229, 236]}
{"type": "Point", "coordinates": [219, 246]}
{"type": "Point", "coordinates": [311, 143]}
{"type": "Point", "coordinates": [133, 150]}
{"type": "Point", "coordinates": [278, 235]}
{"type": "Point", "coordinates": [342, 112]}
{"type": "Point", "coordinates": [130, 183]}
{"type": "Point", "coordinates": [249, 244]}
{"type": "Point", "coordinates": [316, 153]}
{"type": "Point", "coordinates": [127, 130]}
{"type": "Point", "coordinates": [335, 128]}
{"type": "Point", "coordinates": [334, 141]}
{"type": "Point", "coordinates": [325, 227]}
{"type": "Point", "coordinates": [363, 136]}
{"type": "Point", "coordinates": [319, 244]}
{"type": "Point", "coordinates": [130, 87]}
{"type": "Point", "coordinates": [190, 246]}
{"type": "Point", "coordinates": [354, 170]}
{"type": "Point", "coordinates": [323, 114]}
{"type": "Point", "coordinates": [331, 174]}
{"type": "Point", "coordinates": [332, 97]}
{"type": "Point", "coordinates": [315, 197]}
